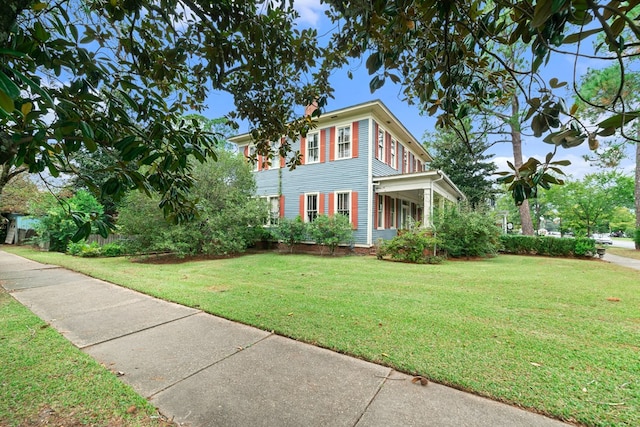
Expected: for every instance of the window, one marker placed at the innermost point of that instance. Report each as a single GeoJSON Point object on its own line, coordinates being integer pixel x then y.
{"type": "Point", "coordinates": [380, 211]}
{"type": "Point", "coordinates": [275, 161]}
{"type": "Point", "coordinates": [392, 213]}
{"type": "Point", "coordinates": [311, 207]}
{"type": "Point", "coordinates": [252, 152]}
{"type": "Point", "coordinates": [273, 204]}
{"type": "Point", "coordinates": [381, 144]}
{"type": "Point", "coordinates": [313, 148]}
{"type": "Point", "coordinates": [344, 142]}
{"type": "Point", "coordinates": [393, 153]}
{"type": "Point", "coordinates": [405, 161]}
{"type": "Point", "coordinates": [343, 204]}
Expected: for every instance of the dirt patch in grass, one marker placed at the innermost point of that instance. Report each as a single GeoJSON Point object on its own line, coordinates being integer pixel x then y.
{"type": "Point", "coordinates": [49, 417]}
{"type": "Point", "coordinates": [175, 259]}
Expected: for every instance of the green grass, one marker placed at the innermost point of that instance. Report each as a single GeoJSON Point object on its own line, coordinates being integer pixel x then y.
{"type": "Point", "coordinates": [558, 336]}
{"type": "Point", "coordinates": [46, 380]}
{"type": "Point", "coordinates": [629, 253]}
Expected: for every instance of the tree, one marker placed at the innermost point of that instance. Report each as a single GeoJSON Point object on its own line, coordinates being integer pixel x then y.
{"type": "Point", "coordinates": [598, 91]}
{"type": "Point", "coordinates": [59, 217]}
{"type": "Point", "coordinates": [465, 164]}
{"type": "Point", "coordinates": [230, 217]}
{"type": "Point", "coordinates": [444, 54]}
{"type": "Point", "coordinates": [19, 193]}
{"type": "Point", "coordinates": [586, 206]}
{"type": "Point", "coordinates": [118, 77]}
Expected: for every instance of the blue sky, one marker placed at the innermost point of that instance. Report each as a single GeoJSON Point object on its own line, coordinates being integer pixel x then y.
{"type": "Point", "coordinates": [354, 91]}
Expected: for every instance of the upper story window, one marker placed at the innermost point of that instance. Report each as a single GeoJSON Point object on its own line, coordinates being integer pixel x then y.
{"type": "Point", "coordinates": [381, 144]}
{"type": "Point", "coordinates": [275, 161]}
{"type": "Point", "coordinates": [311, 207]}
{"type": "Point", "coordinates": [344, 142]}
{"type": "Point", "coordinates": [343, 204]}
{"type": "Point", "coordinates": [313, 148]}
{"type": "Point", "coordinates": [252, 152]}
{"type": "Point", "coordinates": [392, 160]}
{"type": "Point", "coordinates": [405, 161]}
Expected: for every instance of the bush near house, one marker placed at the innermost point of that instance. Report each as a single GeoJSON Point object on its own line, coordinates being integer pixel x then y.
{"type": "Point", "coordinates": [547, 246]}
{"type": "Point", "coordinates": [330, 231]}
{"type": "Point", "coordinates": [467, 233]}
{"type": "Point", "coordinates": [291, 231]}
{"type": "Point", "coordinates": [92, 250]}
{"type": "Point", "coordinates": [415, 245]}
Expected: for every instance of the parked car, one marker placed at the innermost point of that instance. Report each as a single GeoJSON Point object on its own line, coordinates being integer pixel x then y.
{"type": "Point", "coordinates": [617, 234]}
{"type": "Point", "coordinates": [602, 239]}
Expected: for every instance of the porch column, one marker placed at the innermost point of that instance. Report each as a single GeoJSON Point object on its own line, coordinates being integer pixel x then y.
{"type": "Point", "coordinates": [426, 206]}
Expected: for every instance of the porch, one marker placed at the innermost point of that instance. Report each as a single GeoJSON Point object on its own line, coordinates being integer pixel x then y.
{"type": "Point", "coordinates": [403, 199]}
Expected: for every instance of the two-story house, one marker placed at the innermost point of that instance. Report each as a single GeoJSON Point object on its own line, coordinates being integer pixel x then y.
{"type": "Point", "coordinates": [361, 162]}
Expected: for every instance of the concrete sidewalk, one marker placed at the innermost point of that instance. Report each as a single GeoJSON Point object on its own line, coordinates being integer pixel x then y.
{"type": "Point", "coordinates": [202, 370]}
{"type": "Point", "coordinates": [623, 261]}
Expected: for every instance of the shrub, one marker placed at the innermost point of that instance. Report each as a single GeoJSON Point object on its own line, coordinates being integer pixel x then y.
{"type": "Point", "coordinates": [413, 245]}
{"type": "Point", "coordinates": [467, 233]}
{"type": "Point", "coordinates": [112, 250]}
{"type": "Point", "coordinates": [548, 246]}
{"type": "Point", "coordinates": [291, 231]}
{"type": "Point", "coordinates": [331, 231]}
{"type": "Point", "coordinates": [230, 217]}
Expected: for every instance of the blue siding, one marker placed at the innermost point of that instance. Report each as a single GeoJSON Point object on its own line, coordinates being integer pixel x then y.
{"type": "Point", "coordinates": [327, 177]}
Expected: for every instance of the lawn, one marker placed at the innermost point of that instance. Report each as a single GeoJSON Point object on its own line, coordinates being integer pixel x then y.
{"type": "Point", "coordinates": [45, 380]}
{"type": "Point", "coordinates": [629, 253]}
{"type": "Point", "coordinates": [557, 336]}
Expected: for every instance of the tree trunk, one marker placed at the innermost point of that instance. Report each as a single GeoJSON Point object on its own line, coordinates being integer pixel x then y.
{"type": "Point", "coordinates": [516, 141]}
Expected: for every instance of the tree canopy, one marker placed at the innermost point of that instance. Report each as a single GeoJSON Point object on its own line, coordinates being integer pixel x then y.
{"type": "Point", "coordinates": [120, 75]}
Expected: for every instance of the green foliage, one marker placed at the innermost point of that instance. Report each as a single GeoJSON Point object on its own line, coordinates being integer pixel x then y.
{"type": "Point", "coordinates": [230, 218]}
{"type": "Point", "coordinates": [60, 221]}
{"type": "Point", "coordinates": [93, 250]}
{"type": "Point", "coordinates": [464, 162]}
{"type": "Point", "coordinates": [291, 231]}
{"type": "Point", "coordinates": [636, 238]}
{"type": "Point", "coordinates": [415, 245]}
{"type": "Point", "coordinates": [467, 233]}
{"type": "Point", "coordinates": [129, 74]}
{"type": "Point", "coordinates": [547, 246]}
{"type": "Point", "coordinates": [331, 231]}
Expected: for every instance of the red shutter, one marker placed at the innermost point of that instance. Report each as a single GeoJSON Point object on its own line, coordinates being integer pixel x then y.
{"type": "Point", "coordinates": [303, 150]}
{"type": "Point", "coordinates": [321, 204]}
{"type": "Point", "coordinates": [354, 209]}
{"type": "Point", "coordinates": [332, 144]}
{"type": "Point", "coordinates": [354, 139]}
{"type": "Point", "coordinates": [246, 151]}
{"type": "Point", "coordinates": [332, 206]}
{"type": "Point", "coordinates": [282, 158]}
{"type": "Point", "coordinates": [259, 160]}
{"type": "Point", "coordinates": [281, 206]}
{"type": "Point", "coordinates": [375, 138]}
{"type": "Point", "coordinates": [302, 216]}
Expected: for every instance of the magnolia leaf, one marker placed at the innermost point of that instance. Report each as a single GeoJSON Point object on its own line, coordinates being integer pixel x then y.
{"type": "Point", "coordinates": [6, 103]}
{"type": "Point", "coordinates": [574, 38]}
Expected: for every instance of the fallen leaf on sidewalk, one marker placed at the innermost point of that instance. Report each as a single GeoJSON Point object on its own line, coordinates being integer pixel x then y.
{"type": "Point", "coordinates": [419, 379]}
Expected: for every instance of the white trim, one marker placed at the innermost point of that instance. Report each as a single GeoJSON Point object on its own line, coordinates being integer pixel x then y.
{"type": "Point", "coordinates": [306, 208]}
{"type": "Point", "coordinates": [370, 193]}
{"type": "Point", "coordinates": [337, 142]}
{"type": "Point", "coordinates": [349, 202]}
{"type": "Point", "coordinates": [306, 148]}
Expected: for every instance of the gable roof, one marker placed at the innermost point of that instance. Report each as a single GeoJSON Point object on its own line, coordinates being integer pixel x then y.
{"type": "Point", "coordinates": [375, 108]}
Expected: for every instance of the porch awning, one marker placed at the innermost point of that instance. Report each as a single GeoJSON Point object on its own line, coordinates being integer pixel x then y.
{"type": "Point", "coordinates": [416, 183]}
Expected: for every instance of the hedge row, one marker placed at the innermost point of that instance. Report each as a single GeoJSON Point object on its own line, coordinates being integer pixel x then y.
{"type": "Point", "coordinates": [549, 246]}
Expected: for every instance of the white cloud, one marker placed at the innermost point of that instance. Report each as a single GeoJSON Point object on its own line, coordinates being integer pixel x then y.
{"type": "Point", "coordinates": [310, 11]}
